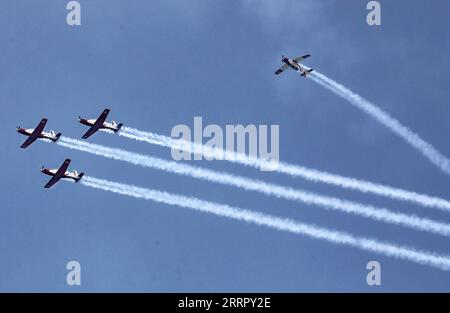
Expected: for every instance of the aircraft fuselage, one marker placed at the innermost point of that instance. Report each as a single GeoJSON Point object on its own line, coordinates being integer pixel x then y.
{"type": "Point", "coordinates": [43, 135]}
{"type": "Point", "coordinates": [293, 65]}
{"type": "Point", "coordinates": [112, 126]}
{"type": "Point", "coordinates": [71, 175]}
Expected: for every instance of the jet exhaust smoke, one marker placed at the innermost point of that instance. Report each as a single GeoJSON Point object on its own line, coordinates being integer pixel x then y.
{"type": "Point", "coordinates": [378, 214]}
{"type": "Point", "coordinates": [290, 169]}
{"type": "Point", "coordinates": [282, 224]}
{"type": "Point", "coordinates": [413, 139]}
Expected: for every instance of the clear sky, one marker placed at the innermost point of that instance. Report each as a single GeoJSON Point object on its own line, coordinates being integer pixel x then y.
{"type": "Point", "coordinates": [157, 64]}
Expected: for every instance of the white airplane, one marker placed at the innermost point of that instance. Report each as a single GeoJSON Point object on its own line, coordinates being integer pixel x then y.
{"type": "Point", "coordinates": [295, 65]}
{"type": "Point", "coordinates": [61, 172]}
{"type": "Point", "coordinates": [99, 123]}
{"type": "Point", "coordinates": [36, 133]}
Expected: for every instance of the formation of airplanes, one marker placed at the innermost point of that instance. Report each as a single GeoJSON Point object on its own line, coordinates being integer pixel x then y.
{"type": "Point", "coordinates": [38, 133]}
{"type": "Point", "coordinates": [100, 123]}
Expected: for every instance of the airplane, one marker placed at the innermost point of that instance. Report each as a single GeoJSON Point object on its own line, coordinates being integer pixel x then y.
{"type": "Point", "coordinates": [61, 173]}
{"type": "Point", "coordinates": [99, 123]}
{"type": "Point", "coordinates": [295, 65]}
{"type": "Point", "coordinates": [36, 133]}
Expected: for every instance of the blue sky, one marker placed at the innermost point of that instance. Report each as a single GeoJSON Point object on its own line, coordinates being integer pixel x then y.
{"type": "Point", "coordinates": [157, 64]}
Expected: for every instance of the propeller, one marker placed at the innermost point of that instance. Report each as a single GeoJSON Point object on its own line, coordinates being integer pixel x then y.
{"type": "Point", "coordinates": [18, 127]}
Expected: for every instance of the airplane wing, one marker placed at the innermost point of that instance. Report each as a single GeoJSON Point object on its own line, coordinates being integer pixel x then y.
{"type": "Point", "coordinates": [281, 69]}
{"type": "Point", "coordinates": [35, 134]}
{"type": "Point", "coordinates": [298, 59]}
{"type": "Point", "coordinates": [98, 123]}
{"type": "Point", "coordinates": [91, 131]}
{"type": "Point", "coordinates": [28, 142]}
{"type": "Point", "coordinates": [59, 174]}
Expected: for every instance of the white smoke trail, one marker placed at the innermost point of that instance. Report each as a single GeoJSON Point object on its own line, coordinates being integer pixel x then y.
{"type": "Point", "coordinates": [282, 224]}
{"type": "Point", "coordinates": [437, 158]}
{"type": "Point", "coordinates": [289, 169]}
{"type": "Point", "coordinates": [378, 214]}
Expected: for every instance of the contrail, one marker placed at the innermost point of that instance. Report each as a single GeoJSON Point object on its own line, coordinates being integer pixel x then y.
{"type": "Point", "coordinates": [283, 224]}
{"type": "Point", "coordinates": [289, 169]}
{"type": "Point", "coordinates": [378, 214]}
{"type": "Point", "coordinates": [437, 158]}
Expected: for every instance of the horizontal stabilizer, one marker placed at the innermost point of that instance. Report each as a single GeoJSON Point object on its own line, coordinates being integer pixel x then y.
{"type": "Point", "coordinates": [57, 137]}
{"type": "Point", "coordinates": [118, 127]}
{"type": "Point", "coordinates": [304, 74]}
{"type": "Point", "coordinates": [80, 176]}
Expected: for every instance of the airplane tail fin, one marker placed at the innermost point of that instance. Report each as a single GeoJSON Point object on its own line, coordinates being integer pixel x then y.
{"type": "Point", "coordinates": [306, 73]}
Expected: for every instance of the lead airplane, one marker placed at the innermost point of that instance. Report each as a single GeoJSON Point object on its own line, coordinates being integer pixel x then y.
{"type": "Point", "coordinates": [295, 65]}
{"type": "Point", "coordinates": [99, 123]}
{"type": "Point", "coordinates": [36, 133]}
{"type": "Point", "coordinates": [61, 173]}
